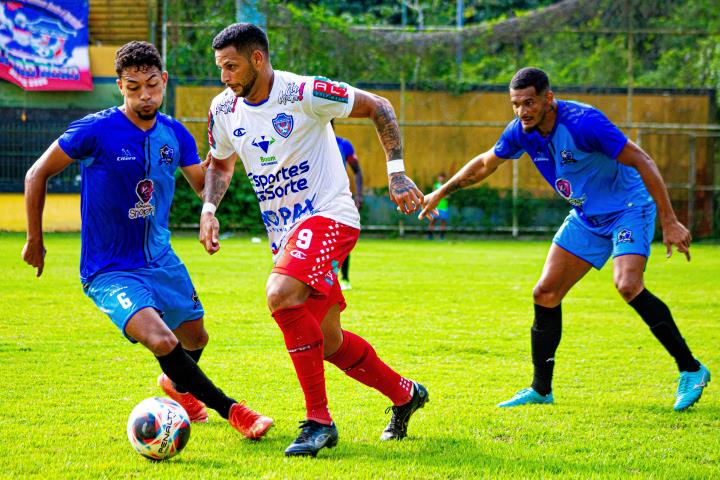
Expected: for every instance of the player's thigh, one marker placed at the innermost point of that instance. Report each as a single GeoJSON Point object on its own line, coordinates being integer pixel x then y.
{"type": "Point", "coordinates": [147, 327]}
{"type": "Point", "coordinates": [176, 297]}
{"type": "Point", "coordinates": [120, 295]}
{"type": "Point", "coordinates": [561, 271]}
{"type": "Point", "coordinates": [283, 291]}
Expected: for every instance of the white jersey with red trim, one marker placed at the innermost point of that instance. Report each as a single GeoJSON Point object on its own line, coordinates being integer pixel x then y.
{"type": "Point", "coordinates": [289, 150]}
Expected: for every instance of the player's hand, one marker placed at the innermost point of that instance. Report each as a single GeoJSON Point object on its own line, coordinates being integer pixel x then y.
{"type": "Point", "coordinates": [34, 255]}
{"type": "Point", "coordinates": [209, 232]}
{"type": "Point", "coordinates": [206, 163]}
{"type": "Point", "coordinates": [358, 198]}
{"type": "Point", "coordinates": [404, 193]}
{"type": "Point", "coordinates": [676, 234]}
{"type": "Point", "coordinates": [430, 204]}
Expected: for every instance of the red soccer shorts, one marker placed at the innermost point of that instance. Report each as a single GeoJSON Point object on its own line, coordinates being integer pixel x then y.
{"type": "Point", "coordinates": [313, 254]}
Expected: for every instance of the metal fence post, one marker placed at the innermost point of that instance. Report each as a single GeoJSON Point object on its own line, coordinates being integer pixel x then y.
{"type": "Point", "coordinates": [692, 183]}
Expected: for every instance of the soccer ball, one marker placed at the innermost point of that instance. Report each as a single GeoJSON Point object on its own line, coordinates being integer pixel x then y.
{"type": "Point", "coordinates": [158, 428]}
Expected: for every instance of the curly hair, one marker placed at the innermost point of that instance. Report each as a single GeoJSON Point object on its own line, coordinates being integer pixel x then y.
{"type": "Point", "coordinates": [138, 54]}
{"type": "Point", "coordinates": [245, 37]}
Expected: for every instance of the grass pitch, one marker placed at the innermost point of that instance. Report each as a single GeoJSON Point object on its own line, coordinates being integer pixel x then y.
{"type": "Point", "coordinates": [454, 315]}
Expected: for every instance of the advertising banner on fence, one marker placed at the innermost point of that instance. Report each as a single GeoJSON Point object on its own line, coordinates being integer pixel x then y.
{"type": "Point", "coordinates": [44, 44]}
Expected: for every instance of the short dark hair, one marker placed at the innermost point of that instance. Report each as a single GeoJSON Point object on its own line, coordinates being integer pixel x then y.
{"type": "Point", "coordinates": [530, 77]}
{"type": "Point", "coordinates": [245, 37]}
{"type": "Point", "coordinates": [142, 55]}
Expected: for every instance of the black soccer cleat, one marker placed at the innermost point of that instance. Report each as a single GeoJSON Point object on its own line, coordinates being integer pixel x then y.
{"type": "Point", "coordinates": [397, 428]}
{"type": "Point", "coordinates": [313, 436]}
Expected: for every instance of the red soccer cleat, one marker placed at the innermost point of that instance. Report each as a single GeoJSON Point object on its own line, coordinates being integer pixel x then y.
{"type": "Point", "coordinates": [248, 422]}
{"type": "Point", "coordinates": [195, 408]}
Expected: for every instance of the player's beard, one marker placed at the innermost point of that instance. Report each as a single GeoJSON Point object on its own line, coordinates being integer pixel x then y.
{"type": "Point", "coordinates": [249, 83]}
{"type": "Point", "coordinates": [146, 116]}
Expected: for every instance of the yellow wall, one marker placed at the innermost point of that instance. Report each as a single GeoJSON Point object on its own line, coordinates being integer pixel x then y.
{"type": "Point", "coordinates": [431, 150]}
{"type": "Point", "coordinates": [62, 212]}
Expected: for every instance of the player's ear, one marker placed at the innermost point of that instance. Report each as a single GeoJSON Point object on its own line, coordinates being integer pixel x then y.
{"type": "Point", "coordinates": [549, 97]}
{"type": "Point", "coordinates": [164, 79]}
{"type": "Point", "coordinates": [256, 57]}
{"type": "Point", "coordinates": [120, 85]}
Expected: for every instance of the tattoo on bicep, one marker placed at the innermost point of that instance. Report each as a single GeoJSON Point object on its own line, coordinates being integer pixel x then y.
{"type": "Point", "coordinates": [216, 184]}
{"type": "Point", "coordinates": [388, 131]}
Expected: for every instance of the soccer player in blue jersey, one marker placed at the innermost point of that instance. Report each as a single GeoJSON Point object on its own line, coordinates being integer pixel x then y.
{"type": "Point", "coordinates": [128, 156]}
{"type": "Point", "coordinates": [614, 188]}
{"type": "Point", "coordinates": [347, 152]}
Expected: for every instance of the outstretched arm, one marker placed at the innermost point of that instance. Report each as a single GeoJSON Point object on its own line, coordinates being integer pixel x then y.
{"type": "Point", "coordinates": [217, 180]}
{"type": "Point", "coordinates": [52, 162]}
{"type": "Point", "coordinates": [403, 191]}
{"type": "Point", "coordinates": [674, 232]}
{"type": "Point", "coordinates": [473, 172]}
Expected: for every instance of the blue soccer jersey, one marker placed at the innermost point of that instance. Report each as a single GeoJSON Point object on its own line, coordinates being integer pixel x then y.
{"type": "Point", "coordinates": [346, 148]}
{"type": "Point", "coordinates": [127, 187]}
{"type": "Point", "coordinates": [578, 159]}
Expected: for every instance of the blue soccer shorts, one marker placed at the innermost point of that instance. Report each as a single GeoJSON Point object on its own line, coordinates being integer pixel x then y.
{"type": "Point", "coordinates": [166, 288]}
{"type": "Point", "coordinates": [443, 215]}
{"type": "Point", "coordinates": [624, 233]}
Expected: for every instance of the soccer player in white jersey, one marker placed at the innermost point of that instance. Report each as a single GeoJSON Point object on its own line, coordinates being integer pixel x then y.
{"type": "Point", "coordinates": [278, 124]}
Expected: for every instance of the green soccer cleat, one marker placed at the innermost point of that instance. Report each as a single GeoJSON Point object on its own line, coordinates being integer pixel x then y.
{"type": "Point", "coordinates": [690, 388]}
{"type": "Point", "coordinates": [527, 396]}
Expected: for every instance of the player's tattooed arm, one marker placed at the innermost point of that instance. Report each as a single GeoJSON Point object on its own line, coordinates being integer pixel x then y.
{"type": "Point", "coordinates": [217, 180]}
{"type": "Point", "coordinates": [388, 130]}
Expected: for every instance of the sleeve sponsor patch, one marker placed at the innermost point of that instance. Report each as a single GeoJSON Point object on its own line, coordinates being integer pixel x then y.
{"type": "Point", "coordinates": [329, 90]}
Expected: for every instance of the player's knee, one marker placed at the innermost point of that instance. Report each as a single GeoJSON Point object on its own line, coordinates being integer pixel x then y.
{"type": "Point", "coordinates": [198, 341]}
{"type": "Point", "coordinates": [332, 341]}
{"type": "Point", "coordinates": [161, 344]}
{"type": "Point", "coordinates": [280, 296]}
{"type": "Point", "coordinates": [628, 289]}
{"type": "Point", "coordinates": [547, 296]}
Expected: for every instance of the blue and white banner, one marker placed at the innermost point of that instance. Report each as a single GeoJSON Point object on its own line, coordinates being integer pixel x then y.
{"type": "Point", "coordinates": [44, 44]}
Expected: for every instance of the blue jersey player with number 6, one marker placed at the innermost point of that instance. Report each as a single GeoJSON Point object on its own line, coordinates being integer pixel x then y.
{"type": "Point", "coordinates": [614, 188]}
{"type": "Point", "coordinates": [128, 156]}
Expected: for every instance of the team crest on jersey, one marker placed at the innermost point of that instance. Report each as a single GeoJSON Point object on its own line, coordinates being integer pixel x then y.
{"type": "Point", "coordinates": [291, 94]}
{"type": "Point", "coordinates": [144, 190]}
{"type": "Point", "coordinates": [566, 157]}
{"type": "Point", "coordinates": [625, 236]}
{"type": "Point", "coordinates": [329, 90]}
{"type": "Point", "coordinates": [263, 142]}
{"type": "Point", "coordinates": [283, 124]}
{"type": "Point", "coordinates": [166, 154]}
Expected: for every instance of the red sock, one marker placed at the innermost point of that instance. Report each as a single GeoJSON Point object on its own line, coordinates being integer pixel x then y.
{"type": "Point", "coordinates": [304, 342]}
{"type": "Point", "coordinates": [357, 358]}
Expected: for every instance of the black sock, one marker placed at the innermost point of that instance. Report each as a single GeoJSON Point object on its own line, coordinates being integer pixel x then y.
{"type": "Point", "coordinates": [345, 269]}
{"type": "Point", "coordinates": [182, 369]}
{"type": "Point", "coordinates": [544, 339]}
{"type": "Point", "coordinates": [658, 317]}
{"type": "Point", "coordinates": [195, 355]}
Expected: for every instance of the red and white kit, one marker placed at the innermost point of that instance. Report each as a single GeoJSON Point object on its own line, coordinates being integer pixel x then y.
{"type": "Point", "coordinates": [289, 152]}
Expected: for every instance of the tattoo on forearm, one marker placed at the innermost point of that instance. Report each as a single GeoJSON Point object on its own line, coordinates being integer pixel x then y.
{"type": "Point", "coordinates": [216, 184]}
{"type": "Point", "coordinates": [388, 131]}
{"type": "Point", "coordinates": [466, 180]}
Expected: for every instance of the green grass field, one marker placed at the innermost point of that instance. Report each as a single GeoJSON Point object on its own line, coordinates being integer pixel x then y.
{"type": "Point", "coordinates": [453, 315]}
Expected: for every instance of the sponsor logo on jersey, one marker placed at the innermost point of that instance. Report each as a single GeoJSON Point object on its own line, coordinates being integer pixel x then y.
{"type": "Point", "coordinates": [566, 157]}
{"type": "Point", "coordinates": [284, 216]}
{"type": "Point", "coordinates": [625, 236]}
{"type": "Point", "coordinates": [227, 105]}
{"type": "Point", "coordinates": [126, 156]}
{"type": "Point", "coordinates": [239, 132]}
{"type": "Point", "coordinates": [564, 188]}
{"type": "Point", "coordinates": [283, 124]}
{"type": "Point", "coordinates": [329, 90]}
{"type": "Point", "coordinates": [263, 142]}
{"type": "Point", "coordinates": [299, 254]}
{"type": "Point", "coordinates": [144, 190]}
{"type": "Point", "coordinates": [292, 93]}
{"type": "Point", "coordinates": [267, 161]}
{"type": "Point", "coordinates": [166, 154]}
{"type": "Point", "coordinates": [541, 158]}
{"type": "Point", "coordinates": [285, 181]}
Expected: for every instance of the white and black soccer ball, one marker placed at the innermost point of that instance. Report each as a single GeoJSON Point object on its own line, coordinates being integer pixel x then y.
{"type": "Point", "coordinates": [158, 428]}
